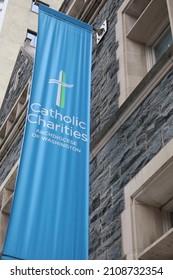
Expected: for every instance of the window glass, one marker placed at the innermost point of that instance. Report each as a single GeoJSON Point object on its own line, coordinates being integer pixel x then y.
{"type": "Point", "coordinates": [1, 5]}
{"type": "Point", "coordinates": [35, 4]}
{"type": "Point", "coordinates": [163, 43]}
{"type": "Point", "coordinates": [34, 7]}
{"type": "Point", "coordinates": [32, 36]}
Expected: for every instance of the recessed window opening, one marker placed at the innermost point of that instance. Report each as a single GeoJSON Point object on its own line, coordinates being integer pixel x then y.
{"type": "Point", "coordinates": [153, 216]}
{"type": "Point", "coordinates": [144, 31]}
{"type": "Point", "coordinates": [35, 5]}
{"type": "Point", "coordinates": [32, 36]}
{"type": "Point", "coordinates": [147, 220]}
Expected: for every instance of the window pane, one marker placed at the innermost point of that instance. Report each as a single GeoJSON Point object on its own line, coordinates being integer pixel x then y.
{"type": "Point", "coordinates": [163, 44]}
{"type": "Point", "coordinates": [34, 7]}
{"type": "Point", "coordinates": [35, 4]}
{"type": "Point", "coordinates": [32, 36]}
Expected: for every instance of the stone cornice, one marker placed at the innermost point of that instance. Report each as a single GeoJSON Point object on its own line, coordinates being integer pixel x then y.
{"type": "Point", "coordinates": [89, 10]}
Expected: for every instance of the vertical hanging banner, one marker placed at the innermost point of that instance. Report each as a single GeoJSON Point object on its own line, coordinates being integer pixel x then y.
{"type": "Point", "coordinates": [49, 216]}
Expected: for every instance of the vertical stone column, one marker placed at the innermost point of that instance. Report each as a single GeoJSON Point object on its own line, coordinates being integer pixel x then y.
{"type": "Point", "coordinates": [170, 13]}
{"type": "Point", "coordinates": [3, 228]}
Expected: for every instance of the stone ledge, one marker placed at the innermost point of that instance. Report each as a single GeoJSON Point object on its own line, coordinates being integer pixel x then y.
{"type": "Point", "coordinates": [161, 249]}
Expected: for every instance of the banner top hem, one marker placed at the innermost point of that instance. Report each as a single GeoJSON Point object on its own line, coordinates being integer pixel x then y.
{"type": "Point", "coordinates": [65, 17]}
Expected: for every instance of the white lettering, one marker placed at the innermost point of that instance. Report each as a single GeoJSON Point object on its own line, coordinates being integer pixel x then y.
{"type": "Point", "coordinates": [53, 120]}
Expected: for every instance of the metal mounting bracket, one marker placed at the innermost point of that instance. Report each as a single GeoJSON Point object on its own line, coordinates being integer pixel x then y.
{"type": "Point", "coordinates": [103, 30]}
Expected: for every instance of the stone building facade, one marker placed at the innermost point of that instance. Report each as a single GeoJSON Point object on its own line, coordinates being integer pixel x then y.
{"type": "Point", "coordinates": [131, 159]}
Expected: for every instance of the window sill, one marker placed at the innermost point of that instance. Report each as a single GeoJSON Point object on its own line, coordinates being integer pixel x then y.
{"type": "Point", "coordinates": [147, 27]}
{"type": "Point", "coordinates": [135, 8]}
{"type": "Point", "coordinates": [161, 249]}
{"type": "Point", "coordinates": [136, 242]}
{"type": "Point", "coordinates": [34, 12]}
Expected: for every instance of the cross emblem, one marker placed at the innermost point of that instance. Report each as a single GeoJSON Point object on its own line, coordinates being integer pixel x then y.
{"type": "Point", "coordinates": [60, 98]}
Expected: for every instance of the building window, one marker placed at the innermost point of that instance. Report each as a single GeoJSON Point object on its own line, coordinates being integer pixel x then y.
{"type": "Point", "coordinates": [35, 4]}
{"type": "Point", "coordinates": [144, 31]}
{"type": "Point", "coordinates": [162, 43]}
{"type": "Point", "coordinates": [75, 7]}
{"type": "Point", "coordinates": [147, 221]}
{"type": "Point", "coordinates": [152, 238]}
{"type": "Point", "coordinates": [32, 37]}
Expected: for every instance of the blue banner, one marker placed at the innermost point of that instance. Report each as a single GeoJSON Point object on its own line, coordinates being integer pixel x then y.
{"type": "Point", "coordinates": [49, 217]}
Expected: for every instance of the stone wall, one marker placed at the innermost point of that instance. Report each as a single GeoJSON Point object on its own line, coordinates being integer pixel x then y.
{"type": "Point", "coordinates": [137, 141]}
{"type": "Point", "coordinates": [105, 90]}
{"type": "Point", "coordinates": [21, 74]}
